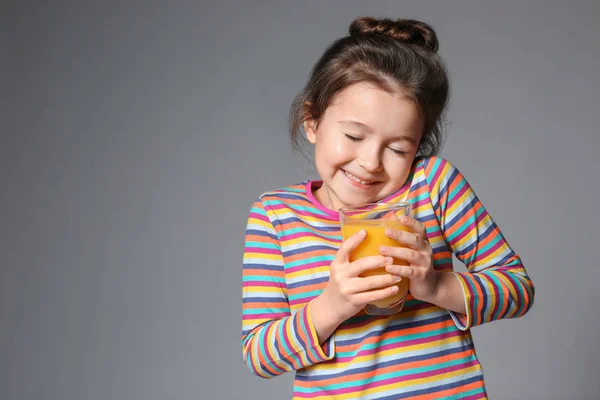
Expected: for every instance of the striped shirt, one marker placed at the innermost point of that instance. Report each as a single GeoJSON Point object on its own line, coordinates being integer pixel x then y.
{"type": "Point", "coordinates": [423, 351]}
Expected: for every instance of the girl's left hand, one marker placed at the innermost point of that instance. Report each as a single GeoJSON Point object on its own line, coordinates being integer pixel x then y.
{"type": "Point", "coordinates": [418, 254]}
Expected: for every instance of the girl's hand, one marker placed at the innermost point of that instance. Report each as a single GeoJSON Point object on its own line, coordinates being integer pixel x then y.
{"type": "Point", "coordinates": [419, 255]}
{"type": "Point", "coordinates": [346, 292]}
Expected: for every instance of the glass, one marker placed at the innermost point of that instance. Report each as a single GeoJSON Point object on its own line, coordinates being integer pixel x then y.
{"type": "Point", "coordinates": [374, 218]}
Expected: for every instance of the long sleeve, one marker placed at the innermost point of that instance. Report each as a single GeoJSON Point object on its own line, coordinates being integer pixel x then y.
{"type": "Point", "coordinates": [274, 340]}
{"type": "Point", "coordinates": [496, 285]}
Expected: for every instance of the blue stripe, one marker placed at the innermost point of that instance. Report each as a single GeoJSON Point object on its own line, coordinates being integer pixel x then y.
{"type": "Point", "coordinates": [260, 267]}
{"type": "Point", "coordinates": [261, 233]}
{"type": "Point", "coordinates": [263, 300]}
{"type": "Point", "coordinates": [394, 374]}
{"type": "Point", "coordinates": [307, 249]}
{"type": "Point", "coordinates": [307, 282]}
{"type": "Point", "coordinates": [309, 260]}
{"type": "Point", "coordinates": [398, 361]}
{"type": "Point", "coordinates": [434, 389]}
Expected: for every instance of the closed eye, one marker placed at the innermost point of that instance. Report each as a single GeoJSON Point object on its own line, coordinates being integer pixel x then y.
{"type": "Point", "coordinates": [353, 138]}
{"type": "Point", "coordinates": [399, 152]}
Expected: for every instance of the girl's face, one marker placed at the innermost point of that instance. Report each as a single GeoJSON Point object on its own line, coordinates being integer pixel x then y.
{"type": "Point", "coordinates": [365, 144]}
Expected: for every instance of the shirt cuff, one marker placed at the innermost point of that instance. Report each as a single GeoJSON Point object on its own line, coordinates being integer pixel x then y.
{"type": "Point", "coordinates": [462, 321]}
{"type": "Point", "coordinates": [324, 351]}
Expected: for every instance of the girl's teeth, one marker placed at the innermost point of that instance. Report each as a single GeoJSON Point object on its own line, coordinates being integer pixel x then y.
{"type": "Point", "coordinates": [356, 179]}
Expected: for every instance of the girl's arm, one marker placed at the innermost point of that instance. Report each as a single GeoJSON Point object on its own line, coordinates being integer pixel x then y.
{"type": "Point", "coordinates": [274, 340]}
{"type": "Point", "coordinates": [496, 285]}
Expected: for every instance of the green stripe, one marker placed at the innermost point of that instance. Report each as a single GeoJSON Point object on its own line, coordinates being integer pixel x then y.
{"type": "Point", "coordinates": [396, 340]}
{"type": "Point", "coordinates": [305, 295]}
{"type": "Point", "coordinates": [456, 190]}
{"type": "Point", "coordinates": [311, 210]}
{"type": "Point", "coordinates": [488, 246]}
{"type": "Point", "coordinates": [253, 311]}
{"type": "Point", "coordinates": [471, 392]}
{"type": "Point", "coordinates": [288, 351]}
{"type": "Point", "coordinates": [461, 229]}
{"type": "Point", "coordinates": [420, 197]}
{"type": "Point", "coordinates": [394, 374]}
{"type": "Point", "coordinates": [262, 245]}
{"type": "Point", "coordinates": [263, 278]}
{"type": "Point", "coordinates": [309, 260]}
{"type": "Point", "coordinates": [285, 232]}
{"type": "Point", "coordinates": [434, 170]}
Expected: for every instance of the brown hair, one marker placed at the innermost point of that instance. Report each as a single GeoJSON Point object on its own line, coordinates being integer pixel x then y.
{"type": "Point", "coordinates": [396, 55]}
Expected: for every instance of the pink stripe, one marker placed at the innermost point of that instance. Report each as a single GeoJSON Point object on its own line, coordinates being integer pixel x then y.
{"type": "Point", "coordinates": [266, 335]}
{"type": "Point", "coordinates": [286, 339]}
{"type": "Point", "coordinates": [467, 229]}
{"type": "Point", "coordinates": [261, 250]}
{"type": "Point", "coordinates": [497, 297]}
{"type": "Point", "coordinates": [489, 251]}
{"type": "Point", "coordinates": [246, 317]}
{"type": "Point", "coordinates": [437, 174]}
{"type": "Point", "coordinates": [518, 300]}
{"type": "Point", "coordinates": [458, 195]}
{"type": "Point", "coordinates": [259, 217]}
{"type": "Point", "coordinates": [333, 214]}
{"type": "Point", "coordinates": [390, 381]}
{"type": "Point", "coordinates": [250, 362]}
{"type": "Point", "coordinates": [303, 322]}
{"type": "Point", "coordinates": [469, 281]}
{"type": "Point", "coordinates": [407, 343]}
{"type": "Point", "coordinates": [420, 203]}
{"type": "Point", "coordinates": [262, 284]}
{"type": "Point", "coordinates": [302, 301]}
{"type": "Point", "coordinates": [305, 234]}
{"type": "Point", "coordinates": [324, 218]}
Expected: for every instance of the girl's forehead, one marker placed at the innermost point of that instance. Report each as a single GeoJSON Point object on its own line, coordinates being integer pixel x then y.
{"type": "Point", "coordinates": [368, 106]}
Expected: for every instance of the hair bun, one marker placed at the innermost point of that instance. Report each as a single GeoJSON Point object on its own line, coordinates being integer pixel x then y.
{"type": "Point", "coordinates": [404, 30]}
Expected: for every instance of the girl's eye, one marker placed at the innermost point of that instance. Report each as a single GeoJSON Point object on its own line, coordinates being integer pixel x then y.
{"type": "Point", "coordinates": [353, 138]}
{"type": "Point", "coordinates": [399, 152]}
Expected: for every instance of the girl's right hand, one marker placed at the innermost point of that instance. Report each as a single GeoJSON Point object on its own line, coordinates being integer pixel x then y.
{"type": "Point", "coordinates": [347, 293]}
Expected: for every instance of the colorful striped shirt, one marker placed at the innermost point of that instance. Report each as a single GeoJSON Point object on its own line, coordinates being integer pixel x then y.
{"type": "Point", "coordinates": [423, 351]}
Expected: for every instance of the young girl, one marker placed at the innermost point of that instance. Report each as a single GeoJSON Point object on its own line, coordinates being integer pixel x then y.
{"type": "Point", "coordinates": [372, 109]}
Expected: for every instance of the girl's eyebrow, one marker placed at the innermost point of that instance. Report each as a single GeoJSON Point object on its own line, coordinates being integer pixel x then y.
{"type": "Point", "coordinates": [357, 124]}
{"type": "Point", "coordinates": [370, 130]}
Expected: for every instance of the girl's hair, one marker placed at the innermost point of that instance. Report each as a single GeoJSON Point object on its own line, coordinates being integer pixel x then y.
{"type": "Point", "coordinates": [396, 55]}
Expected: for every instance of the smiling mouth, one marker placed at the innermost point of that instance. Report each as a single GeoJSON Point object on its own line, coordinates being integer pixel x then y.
{"type": "Point", "coordinates": [358, 180]}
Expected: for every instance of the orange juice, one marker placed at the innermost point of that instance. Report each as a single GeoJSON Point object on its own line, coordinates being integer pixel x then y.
{"type": "Point", "coordinates": [376, 237]}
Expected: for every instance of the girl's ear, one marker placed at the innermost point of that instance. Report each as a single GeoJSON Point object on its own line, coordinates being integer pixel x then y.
{"type": "Point", "coordinates": [310, 127]}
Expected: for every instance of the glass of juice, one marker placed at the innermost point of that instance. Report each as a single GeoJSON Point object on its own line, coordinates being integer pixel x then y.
{"type": "Point", "coordinates": [374, 218]}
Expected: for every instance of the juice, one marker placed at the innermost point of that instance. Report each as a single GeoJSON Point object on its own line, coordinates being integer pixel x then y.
{"type": "Point", "coordinates": [376, 237]}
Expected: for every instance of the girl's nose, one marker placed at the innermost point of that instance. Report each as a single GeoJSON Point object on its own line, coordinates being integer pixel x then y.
{"type": "Point", "coordinates": [370, 161]}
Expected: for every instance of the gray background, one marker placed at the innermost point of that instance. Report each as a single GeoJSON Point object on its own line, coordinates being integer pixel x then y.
{"type": "Point", "coordinates": [135, 137]}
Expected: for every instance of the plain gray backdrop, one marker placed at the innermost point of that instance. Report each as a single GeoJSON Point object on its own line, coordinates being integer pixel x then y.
{"type": "Point", "coordinates": [135, 136]}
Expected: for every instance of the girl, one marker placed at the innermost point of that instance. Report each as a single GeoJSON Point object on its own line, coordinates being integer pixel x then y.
{"type": "Point", "coordinates": [372, 110]}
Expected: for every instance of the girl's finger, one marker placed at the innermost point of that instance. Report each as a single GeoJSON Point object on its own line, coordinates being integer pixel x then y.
{"type": "Point", "coordinates": [343, 254]}
{"type": "Point", "coordinates": [402, 236]}
{"type": "Point", "coordinates": [417, 227]}
{"type": "Point", "coordinates": [374, 295]}
{"type": "Point", "coordinates": [402, 270]}
{"type": "Point", "coordinates": [374, 282]}
{"type": "Point", "coordinates": [367, 263]}
{"type": "Point", "coordinates": [401, 253]}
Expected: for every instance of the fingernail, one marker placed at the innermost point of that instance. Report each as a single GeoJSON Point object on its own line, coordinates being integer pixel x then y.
{"type": "Point", "coordinates": [389, 231]}
{"type": "Point", "coordinates": [389, 260]}
{"type": "Point", "coordinates": [394, 289]}
{"type": "Point", "coordinates": [384, 249]}
{"type": "Point", "coordinates": [397, 279]}
{"type": "Point", "coordinates": [405, 220]}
